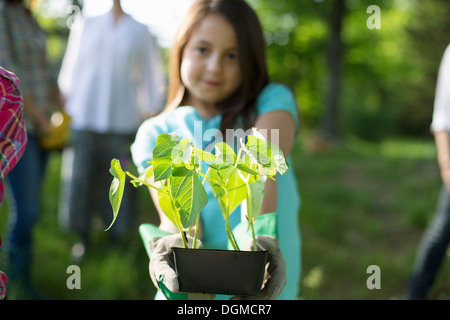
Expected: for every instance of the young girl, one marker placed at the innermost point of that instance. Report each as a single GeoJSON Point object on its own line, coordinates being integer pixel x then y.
{"type": "Point", "coordinates": [219, 81]}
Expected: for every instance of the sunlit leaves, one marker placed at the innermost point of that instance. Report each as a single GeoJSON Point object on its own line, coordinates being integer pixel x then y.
{"type": "Point", "coordinates": [116, 189]}
{"type": "Point", "coordinates": [189, 195]}
{"type": "Point", "coordinates": [233, 178]}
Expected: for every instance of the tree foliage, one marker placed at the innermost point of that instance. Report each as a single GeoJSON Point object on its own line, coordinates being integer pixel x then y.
{"type": "Point", "coordinates": [383, 79]}
{"type": "Point", "coordinates": [387, 75]}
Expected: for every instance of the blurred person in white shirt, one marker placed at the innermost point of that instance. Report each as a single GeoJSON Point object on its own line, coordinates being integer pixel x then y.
{"type": "Point", "coordinates": [433, 246]}
{"type": "Point", "coordinates": [112, 79]}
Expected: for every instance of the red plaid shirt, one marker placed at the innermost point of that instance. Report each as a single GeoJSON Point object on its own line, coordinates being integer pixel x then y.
{"type": "Point", "coordinates": [13, 136]}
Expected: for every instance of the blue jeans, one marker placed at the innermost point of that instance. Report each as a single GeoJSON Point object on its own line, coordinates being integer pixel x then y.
{"type": "Point", "coordinates": [432, 249]}
{"type": "Point", "coordinates": [25, 182]}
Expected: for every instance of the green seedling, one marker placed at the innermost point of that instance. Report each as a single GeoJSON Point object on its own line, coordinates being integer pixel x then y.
{"type": "Point", "coordinates": [179, 179]}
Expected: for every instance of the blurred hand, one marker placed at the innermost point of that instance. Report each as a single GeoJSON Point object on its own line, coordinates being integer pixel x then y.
{"type": "Point", "coordinates": [41, 120]}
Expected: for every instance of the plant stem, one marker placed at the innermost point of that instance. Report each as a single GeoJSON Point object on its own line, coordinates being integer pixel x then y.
{"type": "Point", "coordinates": [197, 222]}
{"type": "Point", "coordinates": [231, 236]}
{"type": "Point", "coordinates": [227, 224]}
{"type": "Point", "coordinates": [196, 231]}
{"type": "Point", "coordinates": [144, 182]}
{"type": "Point", "coordinates": [234, 167]}
{"type": "Point", "coordinates": [255, 248]}
{"type": "Point", "coordinates": [176, 214]}
{"type": "Point", "coordinates": [183, 237]}
{"type": "Point", "coordinates": [205, 176]}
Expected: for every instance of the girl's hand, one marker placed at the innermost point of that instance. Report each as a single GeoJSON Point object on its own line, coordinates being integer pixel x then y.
{"type": "Point", "coordinates": [275, 276]}
{"type": "Point", "coordinates": [162, 265]}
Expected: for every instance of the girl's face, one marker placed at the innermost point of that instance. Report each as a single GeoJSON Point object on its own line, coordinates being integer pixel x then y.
{"type": "Point", "coordinates": [210, 67]}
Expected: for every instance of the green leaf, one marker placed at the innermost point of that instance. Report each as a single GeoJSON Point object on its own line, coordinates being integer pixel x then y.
{"type": "Point", "coordinates": [231, 190]}
{"type": "Point", "coordinates": [189, 194]}
{"type": "Point", "coordinates": [225, 155]}
{"type": "Point", "coordinates": [278, 157]}
{"type": "Point", "coordinates": [245, 164]}
{"type": "Point", "coordinates": [255, 197]}
{"type": "Point", "coordinates": [168, 151]}
{"type": "Point", "coordinates": [166, 207]}
{"type": "Point", "coordinates": [165, 144]}
{"type": "Point", "coordinates": [219, 166]}
{"type": "Point", "coordinates": [203, 155]}
{"type": "Point", "coordinates": [186, 148]}
{"type": "Point", "coordinates": [267, 154]}
{"type": "Point", "coordinates": [162, 169]}
{"type": "Point", "coordinates": [258, 150]}
{"type": "Point", "coordinates": [218, 191]}
{"type": "Point", "coordinates": [116, 189]}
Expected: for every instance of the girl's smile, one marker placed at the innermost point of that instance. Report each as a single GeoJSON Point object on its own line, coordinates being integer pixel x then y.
{"type": "Point", "coordinates": [211, 83]}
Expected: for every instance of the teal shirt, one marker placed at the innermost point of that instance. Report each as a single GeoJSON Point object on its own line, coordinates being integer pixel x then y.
{"type": "Point", "coordinates": [187, 123]}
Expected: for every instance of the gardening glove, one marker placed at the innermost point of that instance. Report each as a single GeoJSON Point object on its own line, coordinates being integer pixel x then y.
{"type": "Point", "coordinates": [275, 274]}
{"type": "Point", "coordinates": [162, 267]}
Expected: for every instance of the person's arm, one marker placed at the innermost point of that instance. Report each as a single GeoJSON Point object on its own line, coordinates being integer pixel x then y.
{"type": "Point", "coordinates": [442, 139]}
{"type": "Point", "coordinates": [66, 78]}
{"type": "Point", "coordinates": [151, 92]}
{"type": "Point", "coordinates": [281, 131]}
{"type": "Point", "coordinates": [41, 120]}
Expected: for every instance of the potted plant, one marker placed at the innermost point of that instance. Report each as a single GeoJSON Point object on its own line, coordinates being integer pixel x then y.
{"type": "Point", "coordinates": [234, 179]}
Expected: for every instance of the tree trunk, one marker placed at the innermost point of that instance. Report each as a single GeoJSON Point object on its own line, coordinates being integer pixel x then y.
{"type": "Point", "coordinates": [330, 116]}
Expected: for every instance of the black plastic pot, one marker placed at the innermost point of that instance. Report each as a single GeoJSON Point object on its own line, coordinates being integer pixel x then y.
{"type": "Point", "coordinates": [220, 271]}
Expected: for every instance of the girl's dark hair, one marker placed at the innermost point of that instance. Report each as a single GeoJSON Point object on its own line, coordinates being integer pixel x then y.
{"type": "Point", "coordinates": [252, 59]}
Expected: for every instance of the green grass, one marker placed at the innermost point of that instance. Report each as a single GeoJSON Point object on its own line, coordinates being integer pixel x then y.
{"type": "Point", "coordinates": [366, 204]}
{"type": "Point", "coordinates": [108, 272]}
{"type": "Point", "coordinates": [362, 204]}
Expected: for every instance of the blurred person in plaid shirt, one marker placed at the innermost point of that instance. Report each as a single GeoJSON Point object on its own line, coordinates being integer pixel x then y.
{"type": "Point", "coordinates": [13, 137]}
{"type": "Point", "coordinates": [23, 51]}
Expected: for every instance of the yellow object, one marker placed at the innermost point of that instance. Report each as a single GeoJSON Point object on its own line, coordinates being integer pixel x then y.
{"type": "Point", "coordinates": [59, 135]}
